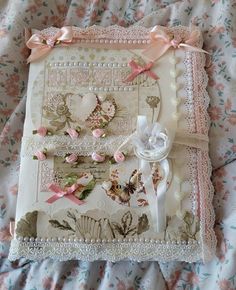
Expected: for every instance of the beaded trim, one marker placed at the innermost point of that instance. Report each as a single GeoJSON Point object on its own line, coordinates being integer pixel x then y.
{"type": "Point", "coordinates": [93, 241]}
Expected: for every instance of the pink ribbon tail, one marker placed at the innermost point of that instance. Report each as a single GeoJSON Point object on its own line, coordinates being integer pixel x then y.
{"type": "Point", "coordinates": [155, 50]}
{"type": "Point", "coordinates": [161, 42]}
{"type": "Point", "coordinates": [75, 199]}
{"type": "Point", "coordinates": [193, 48]}
{"type": "Point", "coordinates": [38, 53]}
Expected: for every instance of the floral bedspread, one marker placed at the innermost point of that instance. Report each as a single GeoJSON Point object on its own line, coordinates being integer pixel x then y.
{"type": "Point", "coordinates": [216, 18]}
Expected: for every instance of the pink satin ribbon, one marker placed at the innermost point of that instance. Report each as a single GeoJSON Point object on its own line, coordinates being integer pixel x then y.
{"type": "Point", "coordinates": [138, 69]}
{"type": "Point", "coordinates": [67, 192]}
{"type": "Point", "coordinates": [42, 46]}
{"type": "Point", "coordinates": [161, 42]}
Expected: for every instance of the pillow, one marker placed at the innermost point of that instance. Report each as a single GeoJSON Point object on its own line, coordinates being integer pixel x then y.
{"type": "Point", "coordinates": [114, 159]}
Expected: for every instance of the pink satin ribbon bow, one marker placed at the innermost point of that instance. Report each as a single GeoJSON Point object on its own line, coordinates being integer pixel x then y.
{"type": "Point", "coordinates": [67, 192]}
{"type": "Point", "coordinates": [161, 42]}
{"type": "Point", "coordinates": [42, 46]}
{"type": "Point", "coordinates": [138, 69]}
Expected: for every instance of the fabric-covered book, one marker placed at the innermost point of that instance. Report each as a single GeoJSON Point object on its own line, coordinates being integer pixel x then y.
{"type": "Point", "coordinates": [114, 159]}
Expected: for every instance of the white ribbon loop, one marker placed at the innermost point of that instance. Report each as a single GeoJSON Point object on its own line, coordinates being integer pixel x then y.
{"type": "Point", "coordinates": [151, 143]}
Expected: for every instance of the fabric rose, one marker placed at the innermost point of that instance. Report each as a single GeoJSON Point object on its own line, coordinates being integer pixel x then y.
{"type": "Point", "coordinates": [40, 155]}
{"type": "Point", "coordinates": [72, 158]}
{"type": "Point", "coordinates": [42, 131]}
{"type": "Point", "coordinates": [119, 157]}
{"type": "Point", "coordinates": [73, 133]}
{"type": "Point", "coordinates": [97, 133]}
{"type": "Point", "coordinates": [97, 157]}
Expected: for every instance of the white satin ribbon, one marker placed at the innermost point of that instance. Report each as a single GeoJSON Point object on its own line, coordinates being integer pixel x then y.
{"type": "Point", "coordinates": [148, 151]}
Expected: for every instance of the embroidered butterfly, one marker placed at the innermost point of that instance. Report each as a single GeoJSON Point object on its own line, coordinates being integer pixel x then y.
{"type": "Point", "coordinates": [121, 193]}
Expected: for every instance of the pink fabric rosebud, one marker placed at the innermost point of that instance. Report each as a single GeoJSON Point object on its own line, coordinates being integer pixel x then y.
{"type": "Point", "coordinates": [72, 158]}
{"type": "Point", "coordinates": [40, 155]}
{"type": "Point", "coordinates": [97, 133]}
{"type": "Point", "coordinates": [73, 133]}
{"type": "Point", "coordinates": [97, 157]}
{"type": "Point", "coordinates": [42, 131]}
{"type": "Point", "coordinates": [119, 157]}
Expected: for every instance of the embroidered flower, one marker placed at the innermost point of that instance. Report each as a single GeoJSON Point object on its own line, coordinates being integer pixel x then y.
{"type": "Point", "coordinates": [108, 108]}
{"type": "Point", "coordinates": [119, 157]}
{"type": "Point", "coordinates": [97, 133]}
{"type": "Point", "coordinates": [97, 157]}
{"type": "Point", "coordinates": [72, 158]}
{"type": "Point", "coordinates": [153, 101]}
{"type": "Point", "coordinates": [72, 133]}
{"type": "Point", "coordinates": [40, 155]}
{"type": "Point", "coordinates": [62, 109]}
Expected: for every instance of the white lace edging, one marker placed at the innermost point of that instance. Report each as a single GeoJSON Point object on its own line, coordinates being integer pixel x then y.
{"type": "Point", "coordinates": [113, 252]}
{"type": "Point", "coordinates": [61, 145]}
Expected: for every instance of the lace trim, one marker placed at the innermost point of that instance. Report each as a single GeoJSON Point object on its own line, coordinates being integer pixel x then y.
{"type": "Point", "coordinates": [135, 251]}
{"type": "Point", "coordinates": [207, 214]}
{"type": "Point", "coordinates": [61, 145]}
{"type": "Point", "coordinates": [116, 32]}
{"type": "Point", "coordinates": [204, 168]}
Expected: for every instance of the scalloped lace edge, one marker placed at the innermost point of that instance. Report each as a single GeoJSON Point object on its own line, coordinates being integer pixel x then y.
{"type": "Point", "coordinates": [109, 251]}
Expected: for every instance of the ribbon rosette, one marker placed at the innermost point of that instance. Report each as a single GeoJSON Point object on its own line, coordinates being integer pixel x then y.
{"type": "Point", "coordinates": [161, 42]}
{"type": "Point", "coordinates": [151, 143]}
{"type": "Point", "coordinates": [42, 45]}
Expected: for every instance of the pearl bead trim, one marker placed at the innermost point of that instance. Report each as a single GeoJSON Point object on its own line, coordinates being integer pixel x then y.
{"type": "Point", "coordinates": [87, 64]}
{"type": "Point", "coordinates": [92, 241]}
{"type": "Point", "coordinates": [114, 41]}
{"type": "Point", "coordinates": [110, 89]}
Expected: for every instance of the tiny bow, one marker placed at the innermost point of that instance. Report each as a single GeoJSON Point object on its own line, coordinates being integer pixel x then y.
{"type": "Point", "coordinates": [138, 69]}
{"type": "Point", "coordinates": [42, 45]}
{"type": "Point", "coordinates": [161, 42]}
{"type": "Point", "coordinates": [68, 192]}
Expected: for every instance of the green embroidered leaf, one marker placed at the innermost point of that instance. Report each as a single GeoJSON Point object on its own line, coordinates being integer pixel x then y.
{"type": "Point", "coordinates": [71, 216]}
{"type": "Point", "coordinates": [87, 190]}
{"type": "Point", "coordinates": [118, 228]}
{"type": "Point", "coordinates": [27, 226]}
{"type": "Point", "coordinates": [70, 179]}
{"type": "Point", "coordinates": [143, 224]}
{"type": "Point", "coordinates": [58, 125]}
{"type": "Point", "coordinates": [126, 220]}
{"type": "Point", "coordinates": [56, 224]}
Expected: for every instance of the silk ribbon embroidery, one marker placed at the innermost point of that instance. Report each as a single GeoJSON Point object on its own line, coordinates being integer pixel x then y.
{"type": "Point", "coordinates": [162, 41]}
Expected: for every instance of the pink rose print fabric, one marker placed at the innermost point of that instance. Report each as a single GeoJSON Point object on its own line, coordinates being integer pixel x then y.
{"type": "Point", "coordinates": [216, 19]}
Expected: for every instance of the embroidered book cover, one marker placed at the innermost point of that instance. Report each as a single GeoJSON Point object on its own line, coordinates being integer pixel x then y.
{"type": "Point", "coordinates": [114, 159]}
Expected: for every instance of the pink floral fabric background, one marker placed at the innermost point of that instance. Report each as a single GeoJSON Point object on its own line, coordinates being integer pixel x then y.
{"type": "Point", "coordinates": [217, 19]}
